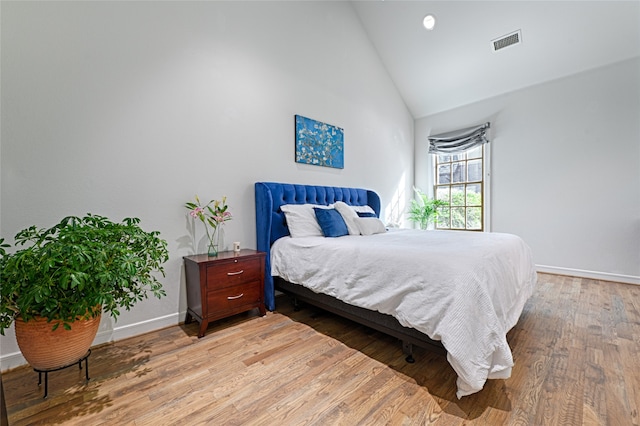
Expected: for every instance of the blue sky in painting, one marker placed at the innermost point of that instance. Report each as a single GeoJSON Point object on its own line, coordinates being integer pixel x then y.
{"type": "Point", "coordinates": [319, 143]}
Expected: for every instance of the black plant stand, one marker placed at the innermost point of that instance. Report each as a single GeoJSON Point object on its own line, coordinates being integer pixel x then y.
{"type": "Point", "coordinates": [85, 358]}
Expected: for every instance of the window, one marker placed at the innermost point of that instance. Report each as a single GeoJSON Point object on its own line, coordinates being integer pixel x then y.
{"type": "Point", "coordinates": [459, 182]}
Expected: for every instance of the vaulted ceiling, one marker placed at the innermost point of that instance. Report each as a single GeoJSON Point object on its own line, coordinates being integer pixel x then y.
{"type": "Point", "coordinates": [454, 64]}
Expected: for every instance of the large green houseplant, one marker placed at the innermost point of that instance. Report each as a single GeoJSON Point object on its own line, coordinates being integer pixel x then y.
{"type": "Point", "coordinates": [424, 210]}
{"type": "Point", "coordinates": [76, 270]}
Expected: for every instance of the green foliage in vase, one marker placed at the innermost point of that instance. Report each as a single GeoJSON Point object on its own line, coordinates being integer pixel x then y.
{"type": "Point", "coordinates": [424, 210]}
{"type": "Point", "coordinates": [78, 268]}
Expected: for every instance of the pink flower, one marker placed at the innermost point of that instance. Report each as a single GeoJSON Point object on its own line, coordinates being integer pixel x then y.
{"type": "Point", "coordinates": [212, 214]}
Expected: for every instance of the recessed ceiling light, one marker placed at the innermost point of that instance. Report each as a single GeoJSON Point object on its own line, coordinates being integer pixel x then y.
{"type": "Point", "coordinates": [429, 22]}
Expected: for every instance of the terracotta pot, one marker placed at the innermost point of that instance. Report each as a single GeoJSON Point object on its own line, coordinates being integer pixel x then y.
{"type": "Point", "coordinates": [45, 349]}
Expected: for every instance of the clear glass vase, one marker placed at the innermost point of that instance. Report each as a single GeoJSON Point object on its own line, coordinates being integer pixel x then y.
{"type": "Point", "coordinates": [214, 243]}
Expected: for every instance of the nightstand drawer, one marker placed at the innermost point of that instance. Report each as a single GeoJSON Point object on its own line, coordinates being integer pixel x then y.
{"type": "Point", "coordinates": [231, 298]}
{"type": "Point", "coordinates": [233, 273]}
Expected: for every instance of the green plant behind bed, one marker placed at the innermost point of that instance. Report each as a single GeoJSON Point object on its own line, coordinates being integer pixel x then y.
{"type": "Point", "coordinates": [424, 210]}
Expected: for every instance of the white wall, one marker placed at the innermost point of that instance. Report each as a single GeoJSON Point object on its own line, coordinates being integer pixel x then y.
{"type": "Point", "coordinates": [565, 168]}
{"type": "Point", "coordinates": [131, 108]}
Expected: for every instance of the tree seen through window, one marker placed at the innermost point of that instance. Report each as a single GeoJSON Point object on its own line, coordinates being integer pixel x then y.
{"type": "Point", "coordinates": [459, 182]}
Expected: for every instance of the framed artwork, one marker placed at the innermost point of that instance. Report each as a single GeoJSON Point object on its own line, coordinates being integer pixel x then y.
{"type": "Point", "coordinates": [318, 143]}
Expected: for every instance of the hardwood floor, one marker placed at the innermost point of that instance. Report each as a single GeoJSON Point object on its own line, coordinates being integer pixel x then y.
{"type": "Point", "coordinates": [576, 350]}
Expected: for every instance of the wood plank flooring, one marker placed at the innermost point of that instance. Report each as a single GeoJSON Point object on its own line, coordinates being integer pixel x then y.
{"type": "Point", "coordinates": [575, 347]}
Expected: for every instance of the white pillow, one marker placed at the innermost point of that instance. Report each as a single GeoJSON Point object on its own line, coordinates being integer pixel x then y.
{"type": "Point", "coordinates": [363, 209]}
{"type": "Point", "coordinates": [350, 217]}
{"type": "Point", "coordinates": [370, 225]}
{"type": "Point", "coordinates": [301, 220]}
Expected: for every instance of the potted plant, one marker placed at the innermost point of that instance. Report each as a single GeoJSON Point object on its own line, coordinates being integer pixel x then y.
{"type": "Point", "coordinates": [67, 275]}
{"type": "Point", "coordinates": [424, 210]}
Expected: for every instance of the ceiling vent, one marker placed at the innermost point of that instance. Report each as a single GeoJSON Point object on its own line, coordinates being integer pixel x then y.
{"type": "Point", "coordinates": [506, 41]}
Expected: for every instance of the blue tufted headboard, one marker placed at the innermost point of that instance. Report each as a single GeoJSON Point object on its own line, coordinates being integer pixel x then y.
{"type": "Point", "coordinates": [270, 221]}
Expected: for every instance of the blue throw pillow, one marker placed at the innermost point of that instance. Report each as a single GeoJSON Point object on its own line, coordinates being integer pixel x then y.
{"type": "Point", "coordinates": [366, 214]}
{"type": "Point", "coordinates": [331, 222]}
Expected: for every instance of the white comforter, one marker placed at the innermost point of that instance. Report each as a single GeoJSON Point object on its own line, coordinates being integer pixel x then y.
{"type": "Point", "coordinates": [466, 289]}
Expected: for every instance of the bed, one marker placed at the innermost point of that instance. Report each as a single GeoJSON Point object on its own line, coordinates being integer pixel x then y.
{"type": "Point", "coordinates": [399, 282]}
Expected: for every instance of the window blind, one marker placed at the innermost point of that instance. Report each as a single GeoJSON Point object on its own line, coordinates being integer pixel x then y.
{"type": "Point", "coordinates": [459, 140]}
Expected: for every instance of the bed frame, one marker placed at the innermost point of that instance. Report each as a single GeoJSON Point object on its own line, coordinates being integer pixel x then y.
{"type": "Point", "coordinates": [271, 225]}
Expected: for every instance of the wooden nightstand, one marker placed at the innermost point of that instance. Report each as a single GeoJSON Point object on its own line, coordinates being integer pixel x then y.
{"type": "Point", "coordinates": [225, 285]}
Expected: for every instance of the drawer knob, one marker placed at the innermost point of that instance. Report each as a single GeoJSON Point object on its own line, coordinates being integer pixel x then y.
{"type": "Point", "coordinates": [230, 274]}
{"type": "Point", "coordinates": [235, 297]}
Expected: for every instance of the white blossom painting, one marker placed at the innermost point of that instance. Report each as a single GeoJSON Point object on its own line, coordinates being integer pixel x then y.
{"type": "Point", "coordinates": [319, 143]}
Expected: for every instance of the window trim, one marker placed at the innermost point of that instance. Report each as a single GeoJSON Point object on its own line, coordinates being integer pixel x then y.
{"type": "Point", "coordinates": [485, 190]}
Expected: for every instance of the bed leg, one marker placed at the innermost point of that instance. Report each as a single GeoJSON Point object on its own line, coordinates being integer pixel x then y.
{"type": "Point", "coordinates": [407, 348]}
{"type": "Point", "coordinates": [296, 305]}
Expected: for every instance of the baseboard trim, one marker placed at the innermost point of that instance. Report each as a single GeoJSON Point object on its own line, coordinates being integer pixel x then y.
{"type": "Point", "coordinates": [603, 276]}
{"type": "Point", "coordinates": [15, 359]}
{"type": "Point", "coordinates": [130, 330]}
